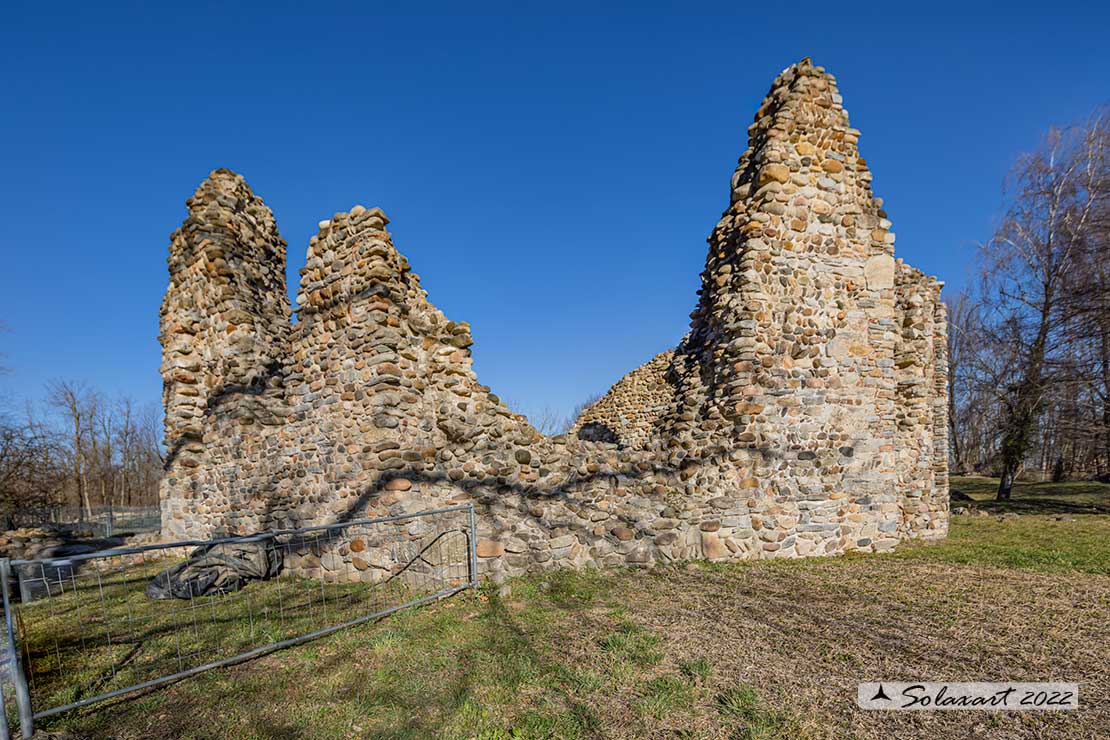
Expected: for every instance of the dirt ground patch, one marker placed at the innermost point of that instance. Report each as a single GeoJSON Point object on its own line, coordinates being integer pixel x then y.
{"type": "Point", "coordinates": [804, 634]}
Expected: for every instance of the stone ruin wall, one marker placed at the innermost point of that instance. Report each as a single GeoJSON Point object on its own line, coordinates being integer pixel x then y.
{"type": "Point", "coordinates": [803, 414]}
{"type": "Point", "coordinates": [633, 407]}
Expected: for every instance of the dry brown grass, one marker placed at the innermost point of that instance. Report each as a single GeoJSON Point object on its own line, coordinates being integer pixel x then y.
{"type": "Point", "coordinates": [804, 634]}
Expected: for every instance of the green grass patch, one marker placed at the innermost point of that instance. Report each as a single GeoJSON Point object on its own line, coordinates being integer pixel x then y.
{"type": "Point", "coordinates": [569, 588]}
{"type": "Point", "coordinates": [699, 669]}
{"type": "Point", "coordinates": [741, 707]}
{"type": "Point", "coordinates": [633, 643]}
{"type": "Point", "coordinates": [665, 695]}
{"type": "Point", "coordinates": [1045, 527]}
{"type": "Point", "coordinates": [1033, 542]}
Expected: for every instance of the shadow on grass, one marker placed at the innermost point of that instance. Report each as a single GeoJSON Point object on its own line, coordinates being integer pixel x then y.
{"type": "Point", "coordinates": [1071, 498]}
{"type": "Point", "coordinates": [432, 671]}
{"type": "Point", "coordinates": [1036, 506]}
{"type": "Point", "coordinates": [439, 690]}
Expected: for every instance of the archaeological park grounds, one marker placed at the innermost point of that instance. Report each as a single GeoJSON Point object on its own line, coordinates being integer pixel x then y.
{"type": "Point", "coordinates": [765, 649]}
{"type": "Point", "coordinates": [829, 474]}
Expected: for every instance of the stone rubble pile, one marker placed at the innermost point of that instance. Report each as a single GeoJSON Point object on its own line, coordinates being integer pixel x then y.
{"type": "Point", "coordinates": [31, 542]}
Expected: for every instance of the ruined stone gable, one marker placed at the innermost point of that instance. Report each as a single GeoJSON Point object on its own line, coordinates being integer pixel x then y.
{"type": "Point", "coordinates": [803, 414]}
{"type": "Point", "coordinates": [632, 409]}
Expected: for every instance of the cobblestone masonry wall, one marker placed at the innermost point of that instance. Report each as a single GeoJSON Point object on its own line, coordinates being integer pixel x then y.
{"type": "Point", "coordinates": [803, 414]}
{"type": "Point", "coordinates": [633, 408]}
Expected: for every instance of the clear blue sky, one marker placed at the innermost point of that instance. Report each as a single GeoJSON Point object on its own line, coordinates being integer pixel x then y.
{"type": "Point", "coordinates": [551, 172]}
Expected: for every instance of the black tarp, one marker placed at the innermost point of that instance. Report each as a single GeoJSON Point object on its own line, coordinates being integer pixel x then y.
{"type": "Point", "coordinates": [218, 569]}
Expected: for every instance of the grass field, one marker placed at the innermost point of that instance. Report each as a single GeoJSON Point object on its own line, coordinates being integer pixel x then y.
{"type": "Point", "coordinates": [770, 649]}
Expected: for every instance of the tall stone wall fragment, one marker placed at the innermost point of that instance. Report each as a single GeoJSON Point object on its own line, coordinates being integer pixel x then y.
{"type": "Point", "coordinates": [804, 413]}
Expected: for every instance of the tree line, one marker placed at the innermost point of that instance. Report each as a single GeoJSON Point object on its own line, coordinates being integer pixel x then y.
{"type": "Point", "coordinates": [1029, 341]}
{"type": "Point", "coordinates": [80, 450]}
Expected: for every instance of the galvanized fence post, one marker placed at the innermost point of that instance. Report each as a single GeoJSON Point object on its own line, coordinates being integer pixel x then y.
{"type": "Point", "coordinates": [26, 596]}
{"type": "Point", "coordinates": [473, 538]}
{"type": "Point", "coordinates": [5, 733]}
{"type": "Point", "coordinates": [19, 679]}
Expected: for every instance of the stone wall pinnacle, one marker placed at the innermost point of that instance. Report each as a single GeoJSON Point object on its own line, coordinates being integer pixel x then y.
{"type": "Point", "coordinates": [225, 315]}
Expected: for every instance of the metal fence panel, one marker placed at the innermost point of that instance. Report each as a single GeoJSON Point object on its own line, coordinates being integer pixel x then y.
{"type": "Point", "coordinates": [83, 629]}
{"type": "Point", "coordinates": [102, 520]}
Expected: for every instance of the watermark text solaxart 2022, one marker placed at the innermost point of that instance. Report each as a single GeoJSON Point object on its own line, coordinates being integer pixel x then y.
{"type": "Point", "coordinates": [996, 696]}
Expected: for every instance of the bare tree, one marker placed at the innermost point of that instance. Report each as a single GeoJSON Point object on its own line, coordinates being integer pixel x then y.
{"type": "Point", "coordinates": [29, 474]}
{"type": "Point", "coordinates": [88, 453]}
{"type": "Point", "coordinates": [1030, 270]}
{"type": "Point", "coordinates": [101, 444]}
{"type": "Point", "coordinates": [125, 439]}
{"type": "Point", "coordinates": [962, 327]}
{"type": "Point", "coordinates": [17, 458]}
{"type": "Point", "coordinates": [72, 401]}
{"type": "Point", "coordinates": [549, 422]}
{"type": "Point", "coordinates": [149, 455]}
{"type": "Point", "coordinates": [1091, 297]}
{"type": "Point", "coordinates": [581, 408]}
